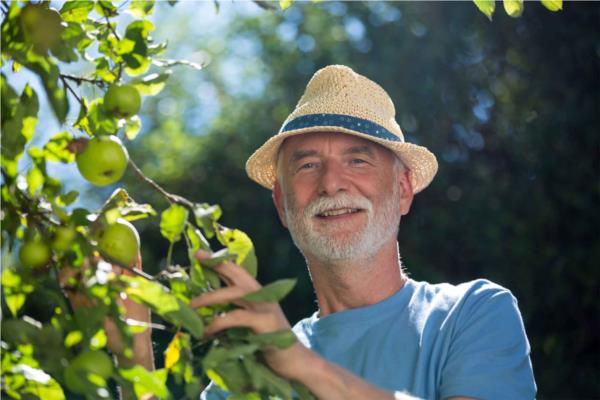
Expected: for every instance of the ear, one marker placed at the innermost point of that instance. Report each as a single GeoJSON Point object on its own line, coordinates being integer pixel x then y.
{"type": "Point", "coordinates": [406, 191]}
{"type": "Point", "coordinates": [278, 201]}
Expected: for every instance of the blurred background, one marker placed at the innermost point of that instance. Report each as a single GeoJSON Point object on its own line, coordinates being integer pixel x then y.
{"type": "Point", "coordinates": [511, 108]}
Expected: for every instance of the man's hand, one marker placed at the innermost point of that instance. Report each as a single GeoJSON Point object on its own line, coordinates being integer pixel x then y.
{"type": "Point", "coordinates": [298, 363]}
{"type": "Point", "coordinates": [260, 317]}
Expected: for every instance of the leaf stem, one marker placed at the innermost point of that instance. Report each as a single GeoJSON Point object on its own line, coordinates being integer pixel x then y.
{"type": "Point", "coordinates": [169, 254]}
{"type": "Point", "coordinates": [110, 27]}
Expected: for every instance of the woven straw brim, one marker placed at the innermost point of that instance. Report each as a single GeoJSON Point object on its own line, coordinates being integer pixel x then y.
{"type": "Point", "coordinates": [261, 167]}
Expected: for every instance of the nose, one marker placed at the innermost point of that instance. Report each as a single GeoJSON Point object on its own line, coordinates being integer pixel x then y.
{"type": "Point", "coordinates": [332, 179]}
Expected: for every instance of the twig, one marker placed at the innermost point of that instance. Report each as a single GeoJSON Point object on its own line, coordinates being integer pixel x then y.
{"type": "Point", "coordinates": [137, 272]}
{"type": "Point", "coordinates": [110, 27]}
{"type": "Point", "coordinates": [172, 198]}
{"type": "Point", "coordinates": [70, 89]}
{"type": "Point", "coordinates": [79, 80]}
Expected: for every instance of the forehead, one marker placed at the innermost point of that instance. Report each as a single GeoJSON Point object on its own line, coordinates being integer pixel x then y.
{"type": "Point", "coordinates": [329, 141]}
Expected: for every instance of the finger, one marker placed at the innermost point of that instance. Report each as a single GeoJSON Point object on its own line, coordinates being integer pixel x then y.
{"type": "Point", "coordinates": [235, 318]}
{"type": "Point", "coordinates": [203, 254]}
{"type": "Point", "coordinates": [233, 274]}
{"type": "Point", "coordinates": [219, 296]}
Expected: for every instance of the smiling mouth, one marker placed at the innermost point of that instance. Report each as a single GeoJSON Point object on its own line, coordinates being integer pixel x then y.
{"type": "Point", "coordinates": [338, 212]}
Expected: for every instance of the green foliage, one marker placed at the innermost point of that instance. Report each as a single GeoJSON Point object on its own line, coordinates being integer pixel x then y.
{"type": "Point", "coordinates": [487, 7]}
{"type": "Point", "coordinates": [509, 108]}
{"type": "Point", "coordinates": [59, 293]}
{"type": "Point", "coordinates": [273, 292]}
{"type": "Point", "coordinates": [513, 8]}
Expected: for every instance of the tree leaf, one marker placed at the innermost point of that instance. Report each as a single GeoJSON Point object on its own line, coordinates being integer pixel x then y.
{"type": "Point", "coordinates": [66, 199]}
{"type": "Point", "coordinates": [173, 351]}
{"type": "Point", "coordinates": [152, 294]}
{"type": "Point", "coordinates": [20, 128]}
{"type": "Point", "coordinates": [35, 180]}
{"type": "Point", "coordinates": [172, 222]}
{"type": "Point", "coordinates": [514, 8]}
{"type": "Point", "coordinates": [168, 306]}
{"type": "Point", "coordinates": [487, 7]}
{"type": "Point", "coordinates": [285, 4]}
{"type": "Point", "coordinates": [132, 127]}
{"type": "Point", "coordinates": [273, 292]}
{"type": "Point", "coordinates": [126, 206]}
{"type": "Point", "coordinates": [49, 73]}
{"type": "Point", "coordinates": [50, 390]}
{"type": "Point", "coordinates": [239, 244]}
{"type": "Point", "coordinates": [57, 148]}
{"type": "Point", "coordinates": [76, 11]}
{"type": "Point", "coordinates": [206, 216]}
{"type": "Point", "coordinates": [101, 122]}
{"type": "Point", "coordinates": [152, 84]}
{"type": "Point", "coordinates": [280, 339]}
{"type": "Point", "coordinates": [15, 290]}
{"type": "Point", "coordinates": [106, 8]}
{"type": "Point", "coordinates": [137, 61]}
{"type": "Point", "coordinates": [147, 382]}
{"type": "Point", "coordinates": [218, 258]}
{"type": "Point", "coordinates": [217, 355]}
{"type": "Point", "coordinates": [196, 239]}
{"type": "Point", "coordinates": [169, 63]}
{"type": "Point", "coordinates": [141, 8]}
{"type": "Point", "coordinates": [265, 379]}
{"type": "Point", "coordinates": [10, 100]}
{"type": "Point", "coordinates": [553, 5]}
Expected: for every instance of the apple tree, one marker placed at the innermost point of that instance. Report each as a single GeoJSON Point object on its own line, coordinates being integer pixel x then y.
{"type": "Point", "coordinates": [53, 252]}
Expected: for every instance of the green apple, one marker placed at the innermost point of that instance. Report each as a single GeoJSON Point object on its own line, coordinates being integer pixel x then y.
{"type": "Point", "coordinates": [34, 253]}
{"type": "Point", "coordinates": [122, 101]}
{"type": "Point", "coordinates": [103, 160]}
{"type": "Point", "coordinates": [42, 26]}
{"type": "Point", "coordinates": [119, 242]}
{"type": "Point", "coordinates": [89, 362]}
{"type": "Point", "coordinates": [63, 237]}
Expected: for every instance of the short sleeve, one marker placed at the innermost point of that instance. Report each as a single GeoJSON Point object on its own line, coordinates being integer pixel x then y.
{"type": "Point", "coordinates": [488, 357]}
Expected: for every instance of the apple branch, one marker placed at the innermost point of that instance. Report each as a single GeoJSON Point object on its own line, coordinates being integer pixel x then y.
{"type": "Point", "coordinates": [70, 89]}
{"type": "Point", "coordinates": [171, 198]}
{"type": "Point", "coordinates": [79, 80]}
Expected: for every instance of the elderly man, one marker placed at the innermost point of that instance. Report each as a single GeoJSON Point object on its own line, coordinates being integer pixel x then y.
{"type": "Point", "coordinates": [342, 177]}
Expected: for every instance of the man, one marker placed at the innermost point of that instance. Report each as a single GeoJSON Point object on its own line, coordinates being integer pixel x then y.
{"type": "Point", "coordinates": [342, 177]}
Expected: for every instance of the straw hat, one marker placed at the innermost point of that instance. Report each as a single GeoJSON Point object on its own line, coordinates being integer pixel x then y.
{"type": "Point", "coordinates": [337, 99]}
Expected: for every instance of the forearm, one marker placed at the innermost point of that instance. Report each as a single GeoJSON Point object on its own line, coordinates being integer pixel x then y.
{"type": "Point", "coordinates": [328, 381]}
{"type": "Point", "coordinates": [143, 353]}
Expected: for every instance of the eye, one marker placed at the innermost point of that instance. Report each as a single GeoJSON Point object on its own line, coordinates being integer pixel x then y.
{"type": "Point", "coordinates": [309, 165]}
{"type": "Point", "coordinates": [357, 161]}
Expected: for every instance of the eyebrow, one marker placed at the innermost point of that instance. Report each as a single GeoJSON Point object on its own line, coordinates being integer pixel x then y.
{"type": "Point", "coordinates": [364, 149]}
{"type": "Point", "coordinates": [300, 154]}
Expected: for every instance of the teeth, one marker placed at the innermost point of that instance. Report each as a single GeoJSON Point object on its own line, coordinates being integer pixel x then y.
{"type": "Point", "coordinates": [331, 213]}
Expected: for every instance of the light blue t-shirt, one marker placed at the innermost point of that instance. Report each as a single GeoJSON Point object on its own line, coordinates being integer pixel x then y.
{"type": "Point", "coordinates": [431, 341]}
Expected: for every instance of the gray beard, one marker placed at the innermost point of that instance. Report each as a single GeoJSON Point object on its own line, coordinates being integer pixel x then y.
{"type": "Point", "coordinates": [328, 245]}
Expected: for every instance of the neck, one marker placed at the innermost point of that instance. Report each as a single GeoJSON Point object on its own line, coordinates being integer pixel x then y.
{"type": "Point", "coordinates": [346, 284]}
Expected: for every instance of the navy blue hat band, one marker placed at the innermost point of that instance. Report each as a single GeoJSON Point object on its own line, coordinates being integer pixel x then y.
{"type": "Point", "coordinates": [343, 121]}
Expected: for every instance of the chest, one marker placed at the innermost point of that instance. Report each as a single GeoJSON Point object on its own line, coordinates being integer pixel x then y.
{"type": "Point", "coordinates": [392, 354]}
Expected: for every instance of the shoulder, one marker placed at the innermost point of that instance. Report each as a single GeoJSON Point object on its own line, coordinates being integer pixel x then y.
{"type": "Point", "coordinates": [448, 297]}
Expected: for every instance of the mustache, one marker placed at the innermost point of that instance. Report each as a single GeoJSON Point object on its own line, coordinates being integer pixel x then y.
{"type": "Point", "coordinates": [341, 200]}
